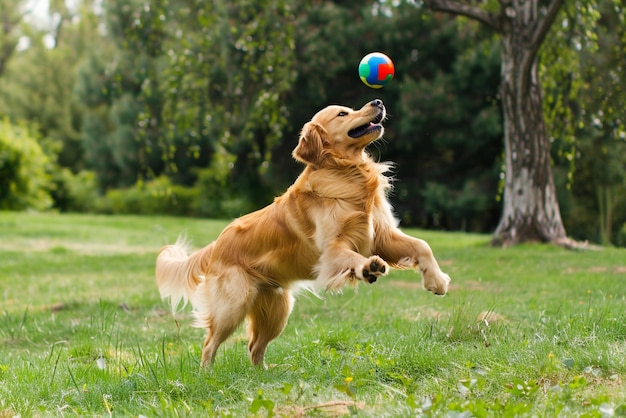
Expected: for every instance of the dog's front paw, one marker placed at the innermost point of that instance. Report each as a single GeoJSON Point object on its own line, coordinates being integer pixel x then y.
{"type": "Point", "coordinates": [373, 268]}
{"type": "Point", "coordinates": [436, 282]}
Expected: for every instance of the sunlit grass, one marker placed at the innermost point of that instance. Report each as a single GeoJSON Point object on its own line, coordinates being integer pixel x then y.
{"type": "Point", "coordinates": [532, 330]}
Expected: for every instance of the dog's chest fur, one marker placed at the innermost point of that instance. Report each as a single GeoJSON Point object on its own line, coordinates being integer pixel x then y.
{"type": "Point", "coordinates": [345, 200]}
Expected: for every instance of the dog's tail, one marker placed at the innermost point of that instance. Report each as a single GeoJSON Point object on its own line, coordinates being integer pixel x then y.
{"type": "Point", "coordinates": [179, 274]}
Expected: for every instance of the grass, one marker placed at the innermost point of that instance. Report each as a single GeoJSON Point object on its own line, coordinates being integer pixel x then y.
{"type": "Point", "coordinates": [533, 330]}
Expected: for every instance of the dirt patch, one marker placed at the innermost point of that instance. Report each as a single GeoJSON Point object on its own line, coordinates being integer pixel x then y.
{"type": "Point", "coordinates": [8, 413]}
{"type": "Point", "coordinates": [475, 286]}
{"type": "Point", "coordinates": [87, 248]}
{"type": "Point", "coordinates": [472, 285]}
{"type": "Point", "coordinates": [490, 317]}
{"type": "Point", "coordinates": [406, 285]}
{"type": "Point", "coordinates": [478, 286]}
{"type": "Point", "coordinates": [418, 313]}
{"type": "Point", "coordinates": [326, 409]}
{"type": "Point", "coordinates": [431, 313]}
{"type": "Point", "coordinates": [597, 269]}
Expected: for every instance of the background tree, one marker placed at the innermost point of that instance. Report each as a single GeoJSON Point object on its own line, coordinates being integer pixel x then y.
{"type": "Point", "coordinates": [587, 116]}
{"type": "Point", "coordinates": [227, 84]}
{"type": "Point", "coordinates": [184, 85]}
{"type": "Point", "coordinates": [449, 140]}
{"type": "Point", "coordinates": [119, 82]}
{"type": "Point", "coordinates": [38, 86]}
{"type": "Point", "coordinates": [10, 21]}
{"type": "Point", "coordinates": [531, 210]}
{"type": "Point", "coordinates": [602, 132]}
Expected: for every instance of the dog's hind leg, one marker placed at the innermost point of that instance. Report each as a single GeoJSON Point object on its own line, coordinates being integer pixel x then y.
{"type": "Point", "coordinates": [267, 319]}
{"type": "Point", "coordinates": [225, 302]}
{"type": "Point", "coordinates": [215, 336]}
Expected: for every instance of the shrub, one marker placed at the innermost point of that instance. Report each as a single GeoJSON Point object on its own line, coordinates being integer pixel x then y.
{"type": "Point", "coordinates": [75, 192]}
{"type": "Point", "coordinates": [158, 197]}
{"type": "Point", "coordinates": [24, 179]}
{"type": "Point", "coordinates": [217, 197]}
{"type": "Point", "coordinates": [621, 236]}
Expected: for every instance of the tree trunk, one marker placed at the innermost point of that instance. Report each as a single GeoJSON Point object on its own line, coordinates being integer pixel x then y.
{"type": "Point", "coordinates": [531, 210]}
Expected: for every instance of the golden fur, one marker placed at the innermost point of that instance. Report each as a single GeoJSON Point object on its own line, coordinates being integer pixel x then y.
{"type": "Point", "coordinates": [332, 227]}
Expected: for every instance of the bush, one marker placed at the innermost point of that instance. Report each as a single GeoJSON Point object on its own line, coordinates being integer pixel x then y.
{"type": "Point", "coordinates": [621, 236]}
{"type": "Point", "coordinates": [24, 179]}
{"type": "Point", "coordinates": [209, 197]}
{"type": "Point", "coordinates": [158, 197]}
{"type": "Point", "coordinates": [75, 192]}
{"type": "Point", "coordinates": [218, 196]}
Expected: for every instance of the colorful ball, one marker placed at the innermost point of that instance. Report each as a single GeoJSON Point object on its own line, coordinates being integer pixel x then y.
{"type": "Point", "coordinates": [376, 70]}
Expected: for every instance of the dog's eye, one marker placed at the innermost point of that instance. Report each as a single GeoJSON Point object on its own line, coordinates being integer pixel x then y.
{"type": "Point", "coordinates": [342, 113]}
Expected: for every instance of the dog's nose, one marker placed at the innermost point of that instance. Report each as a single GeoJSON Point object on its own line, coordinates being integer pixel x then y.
{"type": "Point", "coordinates": [377, 103]}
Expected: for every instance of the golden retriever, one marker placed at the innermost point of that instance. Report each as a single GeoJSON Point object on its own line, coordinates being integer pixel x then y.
{"type": "Point", "coordinates": [333, 227]}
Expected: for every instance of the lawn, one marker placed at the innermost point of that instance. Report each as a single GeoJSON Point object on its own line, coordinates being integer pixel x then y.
{"type": "Point", "coordinates": [533, 330]}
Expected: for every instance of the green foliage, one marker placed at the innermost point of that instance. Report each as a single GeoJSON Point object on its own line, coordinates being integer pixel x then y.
{"type": "Point", "coordinates": [213, 95]}
{"type": "Point", "coordinates": [24, 169]}
{"type": "Point", "coordinates": [602, 126]}
{"type": "Point", "coordinates": [38, 86]}
{"type": "Point", "coordinates": [449, 146]}
{"type": "Point", "coordinates": [75, 192]}
{"type": "Point", "coordinates": [215, 199]}
{"type": "Point", "coordinates": [208, 197]}
{"type": "Point", "coordinates": [10, 30]}
{"type": "Point", "coordinates": [167, 97]}
{"type": "Point", "coordinates": [621, 236]}
{"type": "Point", "coordinates": [227, 89]}
{"type": "Point", "coordinates": [114, 147]}
{"type": "Point", "coordinates": [444, 128]}
{"type": "Point", "coordinates": [155, 197]}
{"type": "Point", "coordinates": [584, 108]}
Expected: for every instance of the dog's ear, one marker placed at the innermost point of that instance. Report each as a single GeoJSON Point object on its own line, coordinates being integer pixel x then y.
{"type": "Point", "coordinates": [311, 144]}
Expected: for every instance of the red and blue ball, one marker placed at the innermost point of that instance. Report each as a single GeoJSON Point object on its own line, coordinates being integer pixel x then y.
{"type": "Point", "coordinates": [376, 70]}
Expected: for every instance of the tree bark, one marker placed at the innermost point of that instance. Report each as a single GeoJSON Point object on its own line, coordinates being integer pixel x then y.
{"type": "Point", "coordinates": [531, 210]}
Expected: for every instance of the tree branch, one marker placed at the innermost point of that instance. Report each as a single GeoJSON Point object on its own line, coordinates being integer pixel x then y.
{"type": "Point", "coordinates": [458, 8]}
{"type": "Point", "coordinates": [538, 36]}
{"type": "Point", "coordinates": [544, 25]}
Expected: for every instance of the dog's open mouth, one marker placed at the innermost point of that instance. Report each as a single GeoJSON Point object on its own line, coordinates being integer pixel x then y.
{"type": "Point", "coordinates": [373, 125]}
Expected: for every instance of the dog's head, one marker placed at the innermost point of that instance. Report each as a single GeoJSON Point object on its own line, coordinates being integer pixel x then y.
{"type": "Point", "coordinates": [340, 132]}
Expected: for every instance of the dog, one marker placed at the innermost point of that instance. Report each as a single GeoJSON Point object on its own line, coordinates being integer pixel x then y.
{"type": "Point", "coordinates": [333, 227]}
